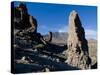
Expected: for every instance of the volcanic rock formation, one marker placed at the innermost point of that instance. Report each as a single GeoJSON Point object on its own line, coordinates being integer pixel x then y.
{"type": "Point", "coordinates": [77, 52]}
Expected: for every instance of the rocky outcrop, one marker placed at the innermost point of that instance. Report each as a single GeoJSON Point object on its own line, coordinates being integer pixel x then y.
{"type": "Point", "coordinates": [26, 25]}
{"type": "Point", "coordinates": [77, 52]}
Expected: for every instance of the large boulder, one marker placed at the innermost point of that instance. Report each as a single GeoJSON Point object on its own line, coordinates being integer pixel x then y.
{"type": "Point", "coordinates": [77, 52]}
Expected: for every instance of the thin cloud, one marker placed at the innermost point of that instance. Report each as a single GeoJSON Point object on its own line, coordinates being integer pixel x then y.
{"type": "Point", "coordinates": [63, 29]}
{"type": "Point", "coordinates": [91, 34]}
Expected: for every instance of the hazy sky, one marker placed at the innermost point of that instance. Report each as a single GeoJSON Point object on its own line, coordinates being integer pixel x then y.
{"type": "Point", "coordinates": [54, 17]}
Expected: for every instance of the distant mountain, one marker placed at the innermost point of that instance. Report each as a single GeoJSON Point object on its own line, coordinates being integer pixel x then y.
{"type": "Point", "coordinates": [92, 43]}
{"type": "Point", "coordinates": [59, 37]}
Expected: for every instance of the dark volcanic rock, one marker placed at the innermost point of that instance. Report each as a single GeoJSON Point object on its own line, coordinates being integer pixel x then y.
{"type": "Point", "coordinates": [77, 52]}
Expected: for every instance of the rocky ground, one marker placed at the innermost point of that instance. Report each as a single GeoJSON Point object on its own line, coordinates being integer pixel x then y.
{"type": "Point", "coordinates": [47, 59]}
{"type": "Point", "coordinates": [33, 60]}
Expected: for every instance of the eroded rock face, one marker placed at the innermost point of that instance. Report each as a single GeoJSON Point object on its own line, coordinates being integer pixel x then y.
{"type": "Point", "coordinates": [77, 52]}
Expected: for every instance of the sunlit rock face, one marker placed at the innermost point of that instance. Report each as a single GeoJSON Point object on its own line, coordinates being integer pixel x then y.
{"type": "Point", "coordinates": [77, 52]}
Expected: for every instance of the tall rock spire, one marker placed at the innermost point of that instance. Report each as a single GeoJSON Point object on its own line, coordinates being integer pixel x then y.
{"type": "Point", "coordinates": [77, 53]}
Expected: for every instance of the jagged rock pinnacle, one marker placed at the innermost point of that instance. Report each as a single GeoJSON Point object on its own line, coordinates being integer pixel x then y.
{"type": "Point", "coordinates": [77, 53]}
